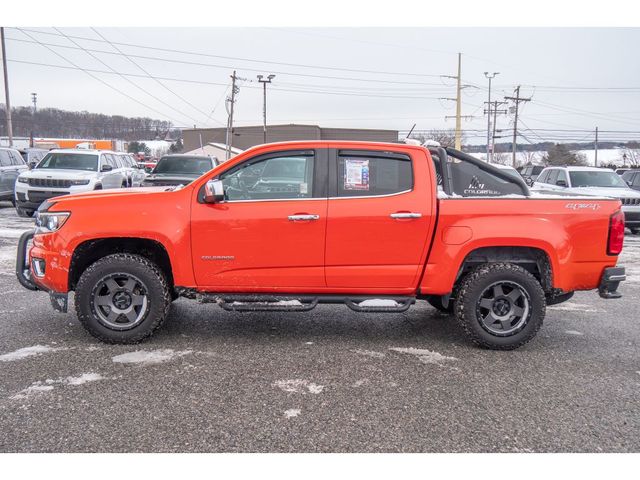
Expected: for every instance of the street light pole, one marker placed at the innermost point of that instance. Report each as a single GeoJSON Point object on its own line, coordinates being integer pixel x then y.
{"type": "Point", "coordinates": [490, 77]}
{"type": "Point", "coordinates": [264, 82]}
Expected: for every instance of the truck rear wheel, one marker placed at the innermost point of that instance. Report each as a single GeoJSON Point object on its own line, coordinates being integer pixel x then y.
{"type": "Point", "coordinates": [122, 298]}
{"type": "Point", "coordinates": [500, 306]}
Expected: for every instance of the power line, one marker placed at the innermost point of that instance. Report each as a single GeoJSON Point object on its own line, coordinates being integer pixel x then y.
{"type": "Point", "coordinates": [100, 80]}
{"type": "Point", "coordinates": [95, 57]}
{"type": "Point", "coordinates": [151, 76]}
{"type": "Point", "coordinates": [349, 94]}
{"type": "Point", "coordinates": [200, 54]}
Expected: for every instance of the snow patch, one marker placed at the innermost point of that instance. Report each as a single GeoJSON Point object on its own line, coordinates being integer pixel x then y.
{"type": "Point", "coordinates": [425, 356]}
{"type": "Point", "coordinates": [573, 332]}
{"type": "Point", "coordinates": [292, 412]}
{"type": "Point", "coordinates": [150, 357]}
{"type": "Point", "coordinates": [369, 353]}
{"type": "Point", "coordinates": [378, 302]}
{"type": "Point", "coordinates": [573, 307]}
{"type": "Point", "coordinates": [26, 352]}
{"type": "Point", "coordinates": [82, 379]}
{"type": "Point", "coordinates": [298, 386]}
{"type": "Point", "coordinates": [11, 232]}
{"type": "Point", "coordinates": [49, 384]}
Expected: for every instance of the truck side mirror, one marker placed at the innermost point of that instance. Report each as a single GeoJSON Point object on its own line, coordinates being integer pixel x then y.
{"type": "Point", "coordinates": [214, 191]}
{"type": "Point", "coordinates": [106, 168]}
{"type": "Point", "coordinates": [561, 183]}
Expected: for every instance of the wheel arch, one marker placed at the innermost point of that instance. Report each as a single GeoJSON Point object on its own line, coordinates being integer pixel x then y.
{"type": "Point", "coordinates": [89, 251]}
{"type": "Point", "coordinates": [535, 260]}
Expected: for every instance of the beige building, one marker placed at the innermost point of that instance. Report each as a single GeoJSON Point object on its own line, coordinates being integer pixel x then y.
{"type": "Point", "coordinates": [247, 137]}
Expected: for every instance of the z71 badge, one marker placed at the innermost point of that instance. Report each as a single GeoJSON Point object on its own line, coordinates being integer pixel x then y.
{"type": "Point", "coordinates": [583, 206]}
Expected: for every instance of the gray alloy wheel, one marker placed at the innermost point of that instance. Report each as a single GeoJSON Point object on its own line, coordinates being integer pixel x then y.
{"type": "Point", "coordinates": [503, 308]}
{"type": "Point", "coordinates": [119, 300]}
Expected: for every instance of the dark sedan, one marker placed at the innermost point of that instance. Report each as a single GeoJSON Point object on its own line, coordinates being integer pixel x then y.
{"type": "Point", "coordinates": [179, 169]}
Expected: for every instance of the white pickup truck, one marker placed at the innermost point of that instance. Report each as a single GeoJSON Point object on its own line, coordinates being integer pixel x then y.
{"type": "Point", "coordinates": [62, 172]}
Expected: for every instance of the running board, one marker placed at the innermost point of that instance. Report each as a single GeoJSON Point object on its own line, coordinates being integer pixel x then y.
{"type": "Point", "coordinates": [304, 303]}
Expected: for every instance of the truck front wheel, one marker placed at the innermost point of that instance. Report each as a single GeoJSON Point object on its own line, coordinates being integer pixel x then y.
{"type": "Point", "coordinates": [500, 306]}
{"type": "Point", "coordinates": [122, 298]}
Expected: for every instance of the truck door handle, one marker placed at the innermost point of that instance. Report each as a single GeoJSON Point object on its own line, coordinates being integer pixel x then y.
{"type": "Point", "coordinates": [302, 217]}
{"type": "Point", "coordinates": [406, 215]}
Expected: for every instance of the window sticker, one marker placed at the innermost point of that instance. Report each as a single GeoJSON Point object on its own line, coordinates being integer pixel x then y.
{"type": "Point", "coordinates": [304, 189]}
{"type": "Point", "coordinates": [356, 174]}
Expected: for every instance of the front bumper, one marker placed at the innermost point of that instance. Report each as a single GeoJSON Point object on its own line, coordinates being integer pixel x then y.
{"type": "Point", "coordinates": [26, 277]}
{"type": "Point", "coordinates": [631, 216]}
{"type": "Point", "coordinates": [611, 278]}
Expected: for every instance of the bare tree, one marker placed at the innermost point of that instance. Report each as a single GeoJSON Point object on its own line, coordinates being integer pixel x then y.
{"type": "Point", "coordinates": [530, 157]}
{"type": "Point", "coordinates": [501, 158]}
{"type": "Point", "coordinates": [446, 138]}
{"type": "Point", "coordinates": [630, 156]}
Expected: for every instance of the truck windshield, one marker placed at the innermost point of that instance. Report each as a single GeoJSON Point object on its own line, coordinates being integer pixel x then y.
{"type": "Point", "coordinates": [70, 161]}
{"type": "Point", "coordinates": [596, 179]}
{"type": "Point", "coordinates": [183, 165]}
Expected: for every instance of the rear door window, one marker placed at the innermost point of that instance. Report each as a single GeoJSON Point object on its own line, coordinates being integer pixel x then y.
{"type": "Point", "coordinates": [562, 175]}
{"type": "Point", "coordinates": [16, 158]}
{"type": "Point", "coordinates": [543, 177]}
{"type": "Point", "coordinates": [553, 177]}
{"type": "Point", "coordinates": [373, 174]}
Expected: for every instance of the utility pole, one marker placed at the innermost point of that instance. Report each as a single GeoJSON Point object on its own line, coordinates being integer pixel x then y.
{"type": "Point", "coordinates": [490, 77]}
{"type": "Point", "coordinates": [458, 116]}
{"type": "Point", "coordinates": [596, 148]}
{"type": "Point", "coordinates": [232, 100]}
{"type": "Point", "coordinates": [264, 104]}
{"type": "Point", "coordinates": [6, 89]}
{"type": "Point", "coordinates": [458, 138]}
{"type": "Point", "coordinates": [34, 99]}
{"type": "Point", "coordinates": [517, 99]}
{"type": "Point", "coordinates": [495, 110]}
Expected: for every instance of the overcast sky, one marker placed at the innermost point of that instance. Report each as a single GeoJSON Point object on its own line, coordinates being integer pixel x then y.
{"type": "Point", "coordinates": [346, 77]}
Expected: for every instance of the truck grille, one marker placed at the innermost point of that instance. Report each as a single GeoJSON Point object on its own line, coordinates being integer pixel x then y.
{"type": "Point", "coordinates": [49, 182]}
{"type": "Point", "coordinates": [630, 201]}
{"type": "Point", "coordinates": [36, 196]}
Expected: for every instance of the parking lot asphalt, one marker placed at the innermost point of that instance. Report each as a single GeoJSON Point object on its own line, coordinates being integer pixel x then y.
{"type": "Point", "coordinates": [330, 380]}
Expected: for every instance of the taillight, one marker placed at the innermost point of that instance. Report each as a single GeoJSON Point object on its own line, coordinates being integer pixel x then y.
{"type": "Point", "coordinates": [616, 233]}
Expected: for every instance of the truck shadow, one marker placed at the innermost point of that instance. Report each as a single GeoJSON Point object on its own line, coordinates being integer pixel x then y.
{"type": "Point", "coordinates": [210, 321]}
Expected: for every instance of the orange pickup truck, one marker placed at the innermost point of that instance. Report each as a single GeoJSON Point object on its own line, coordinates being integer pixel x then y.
{"type": "Point", "coordinates": [286, 226]}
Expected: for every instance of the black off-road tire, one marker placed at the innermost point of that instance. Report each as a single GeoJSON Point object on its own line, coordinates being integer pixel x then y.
{"type": "Point", "coordinates": [157, 293]}
{"type": "Point", "coordinates": [436, 302]}
{"type": "Point", "coordinates": [469, 314]}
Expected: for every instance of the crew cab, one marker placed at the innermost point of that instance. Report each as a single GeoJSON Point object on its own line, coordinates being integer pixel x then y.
{"type": "Point", "coordinates": [287, 226]}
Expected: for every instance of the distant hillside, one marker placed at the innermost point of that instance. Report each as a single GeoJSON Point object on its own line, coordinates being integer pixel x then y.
{"type": "Point", "coordinates": [52, 122]}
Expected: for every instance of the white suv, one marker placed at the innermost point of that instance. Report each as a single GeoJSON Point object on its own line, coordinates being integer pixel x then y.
{"type": "Point", "coordinates": [601, 182]}
{"type": "Point", "coordinates": [62, 172]}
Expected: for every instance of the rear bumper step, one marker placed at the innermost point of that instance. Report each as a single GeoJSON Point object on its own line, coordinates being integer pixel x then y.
{"type": "Point", "coordinates": [303, 303]}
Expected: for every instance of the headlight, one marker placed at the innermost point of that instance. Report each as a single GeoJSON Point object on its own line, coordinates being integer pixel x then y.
{"type": "Point", "coordinates": [48, 222]}
{"type": "Point", "coordinates": [79, 182]}
{"type": "Point", "coordinates": [23, 180]}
